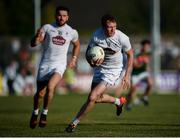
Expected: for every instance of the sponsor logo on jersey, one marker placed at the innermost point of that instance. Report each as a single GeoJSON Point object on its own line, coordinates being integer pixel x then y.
{"type": "Point", "coordinates": [109, 51]}
{"type": "Point", "coordinates": [58, 40]}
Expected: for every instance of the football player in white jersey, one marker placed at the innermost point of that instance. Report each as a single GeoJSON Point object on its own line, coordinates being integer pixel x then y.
{"type": "Point", "coordinates": [55, 39]}
{"type": "Point", "coordinates": [107, 72]}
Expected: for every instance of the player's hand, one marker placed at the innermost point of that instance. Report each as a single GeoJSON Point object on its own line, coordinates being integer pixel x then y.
{"type": "Point", "coordinates": [39, 35]}
{"type": "Point", "coordinates": [91, 63]}
{"type": "Point", "coordinates": [126, 82]}
{"type": "Point", "coordinates": [73, 62]}
{"type": "Point", "coordinates": [98, 62]}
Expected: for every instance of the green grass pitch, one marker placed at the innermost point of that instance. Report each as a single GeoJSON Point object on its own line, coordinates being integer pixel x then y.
{"type": "Point", "coordinates": [161, 118]}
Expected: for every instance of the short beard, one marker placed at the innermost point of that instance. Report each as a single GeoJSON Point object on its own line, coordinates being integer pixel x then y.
{"type": "Point", "coordinates": [60, 24]}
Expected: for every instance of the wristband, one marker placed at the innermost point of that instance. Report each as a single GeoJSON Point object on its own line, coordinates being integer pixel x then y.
{"type": "Point", "coordinates": [74, 57]}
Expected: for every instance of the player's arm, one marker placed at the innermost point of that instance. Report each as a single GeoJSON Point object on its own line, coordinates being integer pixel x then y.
{"type": "Point", "coordinates": [126, 78]}
{"type": "Point", "coordinates": [38, 38]}
{"type": "Point", "coordinates": [130, 62]}
{"type": "Point", "coordinates": [75, 54]}
{"type": "Point", "coordinates": [130, 57]}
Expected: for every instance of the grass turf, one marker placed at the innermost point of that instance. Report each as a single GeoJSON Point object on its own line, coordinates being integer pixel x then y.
{"type": "Point", "coordinates": [161, 118]}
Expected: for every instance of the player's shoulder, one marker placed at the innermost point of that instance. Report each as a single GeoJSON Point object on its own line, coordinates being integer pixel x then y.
{"type": "Point", "coordinates": [70, 28]}
{"type": "Point", "coordinates": [121, 34]}
{"type": "Point", "coordinates": [49, 26]}
{"type": "Point", "coordinates": [73, 32]}
{"type": "Point", "coordinates": [122, 37]}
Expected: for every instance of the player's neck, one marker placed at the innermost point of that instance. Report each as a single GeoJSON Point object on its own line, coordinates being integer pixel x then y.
{"type": "Point", "coordinates": [60, 25]}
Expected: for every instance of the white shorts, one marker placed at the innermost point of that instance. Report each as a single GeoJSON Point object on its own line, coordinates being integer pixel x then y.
{"type": "Point", "coordinates": [140, 77]}
{"type": "Point", "coordinates": [108, 77]}
{"type": "Point", "coordinates": [121, 77]}
{"type": "Point", "coordinates": [46, 71]}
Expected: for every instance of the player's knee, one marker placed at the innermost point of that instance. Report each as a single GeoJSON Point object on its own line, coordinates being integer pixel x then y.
{"type": "Point", "coordinates": [50, 88]}
{"type": "Point", "coordinates": [99, 98]}
{"type": "Point", "coordinates": [93, 98]}
{"type": "Point", "coordinates": [41, 94]}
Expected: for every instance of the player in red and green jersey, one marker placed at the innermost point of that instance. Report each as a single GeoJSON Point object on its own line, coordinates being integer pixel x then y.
{"type": "Point", "coordinates": [141, 72]}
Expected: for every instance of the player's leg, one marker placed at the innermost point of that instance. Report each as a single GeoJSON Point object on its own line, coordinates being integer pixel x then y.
{"type": "Point", "coordinates": [119, 88]}
{"type": "Point", "coordinates": [96, 90]}
{"type": "Point", "coordinates": [52, 83]}
{"type": "Point", "coordinates": [147, 90]}
{"type": "Point", "coordinates": [130, 96]}
{"type": "Point", "coordinates": [119, 102]}
{"type": "Point", "coordinates": [96, 96]}
{"type": "Point", "coordinates": [149, 86]}
{"type": "Point", "coordinates": [135, 80]}
{"type": "Point", "coordinates": [41, 90]}
{"type": "Point", "coordinates": [54, 80]}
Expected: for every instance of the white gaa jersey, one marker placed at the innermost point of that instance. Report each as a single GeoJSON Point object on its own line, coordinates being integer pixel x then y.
{"type": "Point", "coordinates": [55, 48]}
{"type": "Point", "coordinates": [110, 69]}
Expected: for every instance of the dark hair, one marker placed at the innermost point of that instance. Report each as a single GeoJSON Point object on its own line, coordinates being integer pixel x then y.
{"type": "Point", "coordinates": [62, 8]}
{"type": "Point", "coordinates": [145, 41]}
{"type": "Point", "coordinates": [105, 18]}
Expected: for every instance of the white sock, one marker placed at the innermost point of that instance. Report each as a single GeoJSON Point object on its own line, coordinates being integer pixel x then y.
{"type": "Point", "coordinates": [36, 112]}
{"type": "Point", "coordinates": [117, 101]}
{"type": "Point", "coordinates": [76, 121]}
{"type": "Point", "coordinates": [45, 111]}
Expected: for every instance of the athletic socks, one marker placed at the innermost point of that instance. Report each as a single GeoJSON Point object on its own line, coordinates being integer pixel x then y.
{"type": "Point", "coordinates": [75, 121]}
{"type": "Point", "coordinates": [117, 101]}
{"type": "Point", "coordinates": [120, 101]}
{"type": "Point", "coordinates": [44, 111]}
{"type": "Point", "coordinates": [35, 112]}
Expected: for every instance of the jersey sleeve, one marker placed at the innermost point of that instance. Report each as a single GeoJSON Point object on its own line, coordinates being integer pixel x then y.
{"type": "Point", "coordinates": [126, 44]}
{"type": "Point", "coordinates": [44, 28]}
{"type": "Point", "coordinates": [75, 36]}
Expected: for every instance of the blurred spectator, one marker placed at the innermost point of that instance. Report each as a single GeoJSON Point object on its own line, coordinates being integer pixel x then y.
{"type": "Point", "coordinates": [24, 56]}
{"type": "Point", "coordinates": [69, 79]}
{"type": "Point", "coordinates": [10, 73]}
{"type": "Point", "coordinates": [24, 83]}
{"type": "Point", "coordinates": [15, 45]}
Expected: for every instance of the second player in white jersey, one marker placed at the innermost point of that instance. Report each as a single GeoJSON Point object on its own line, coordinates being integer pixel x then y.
{"type": "Point", "coordinates": [55, 39]}
{"type": "Point", "coordinates": [55, 47]}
